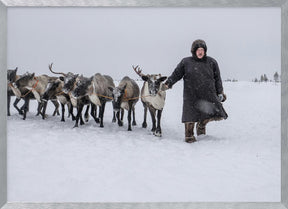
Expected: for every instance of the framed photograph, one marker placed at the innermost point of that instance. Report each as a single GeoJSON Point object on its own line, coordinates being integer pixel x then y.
{"type": "Point", "coordinates": [48, 160]}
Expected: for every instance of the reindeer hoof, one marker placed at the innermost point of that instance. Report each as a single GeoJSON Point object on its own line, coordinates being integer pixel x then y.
{"type": "Point", "coordinates": [144, 125]}
{"type": "Point", "coordinates": [97, 120]}
{"type": "Point", "coordinates": [114, 121]}
{"type": "Point", "coordinates": [129, 129]}
{"type": "Point", "coordinates": [158, 134]}
{"type": "Point", "coordinates": [120, 123]}
{"type": "Point", "coordinates": [134, 123]}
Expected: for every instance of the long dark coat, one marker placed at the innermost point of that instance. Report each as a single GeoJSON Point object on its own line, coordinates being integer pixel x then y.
{"type": "Point", "coordinates": [202, 84]}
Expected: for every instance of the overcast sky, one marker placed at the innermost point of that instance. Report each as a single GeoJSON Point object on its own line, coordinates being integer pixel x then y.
{"type": "Point", "coordinates": [246, 42]}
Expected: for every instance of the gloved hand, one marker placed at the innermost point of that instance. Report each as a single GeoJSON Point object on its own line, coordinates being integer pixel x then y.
{"type": "Point", "coordinates": [222, 97]}
{"type": "Point", "coordinates": [164, 87]}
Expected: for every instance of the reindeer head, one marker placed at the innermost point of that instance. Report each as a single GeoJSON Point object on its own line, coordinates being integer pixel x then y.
{"type": "Point", "coordinates": [83, 86]}
{"type": "Point", "coordinates": [68, 78]}
{"type": "Point", "coordinates": [118, 95]}
{"type": "Point", "coordinates": [69, 82]}
{"type": "Point", "coordinates": [154, 81]}
{"type": "Point", "coordinates": [11, 75]}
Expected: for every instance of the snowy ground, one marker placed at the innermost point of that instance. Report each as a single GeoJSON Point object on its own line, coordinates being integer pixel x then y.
{"type": "Point", "coordinates": [239, 159]}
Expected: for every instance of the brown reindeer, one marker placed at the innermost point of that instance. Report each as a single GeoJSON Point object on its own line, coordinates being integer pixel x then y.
{"type": "Point", "coordinates": [35, 85]}
{"type": "Point", "coordinates": [125, 96]}
{"type": "Point", "coordinates": [70, 83]}
{"type": "Point", "coordinates": [97, 89]}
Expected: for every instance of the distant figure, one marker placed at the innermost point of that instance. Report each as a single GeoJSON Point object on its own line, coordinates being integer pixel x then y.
{"type": "Point", "coordinates": [203, 90]}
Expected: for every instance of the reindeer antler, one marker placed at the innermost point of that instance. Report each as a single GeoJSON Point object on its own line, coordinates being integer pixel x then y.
{"type": "Point", "coordinates": [138, 70]}
{"type": "Point", "coordinates": [50, 68]}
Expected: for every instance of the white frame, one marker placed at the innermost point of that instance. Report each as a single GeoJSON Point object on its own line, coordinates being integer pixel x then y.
{"type": "Point", "coordinates": [283, 4]}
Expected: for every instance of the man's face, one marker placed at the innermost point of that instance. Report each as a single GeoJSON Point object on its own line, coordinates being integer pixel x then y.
{"type": "Point", "coordinates": [200, 52]}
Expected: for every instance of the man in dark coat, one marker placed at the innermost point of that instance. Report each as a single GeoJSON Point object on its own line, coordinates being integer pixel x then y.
{"type": "Point", "coordinates": [203, 90]}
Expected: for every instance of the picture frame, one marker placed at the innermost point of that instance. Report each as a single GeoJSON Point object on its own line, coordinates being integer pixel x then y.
{"type": "Point", "coordinates": [283, 4]}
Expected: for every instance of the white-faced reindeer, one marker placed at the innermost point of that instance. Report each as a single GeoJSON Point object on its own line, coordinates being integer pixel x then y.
{"type": "Point", "coordinates": [125, 96]}
{"type": "Point", "coordinates": [152, 98]}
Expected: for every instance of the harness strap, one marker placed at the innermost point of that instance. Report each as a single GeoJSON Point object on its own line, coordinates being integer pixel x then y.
{"type": "Point", "coordinates": [33, 87]}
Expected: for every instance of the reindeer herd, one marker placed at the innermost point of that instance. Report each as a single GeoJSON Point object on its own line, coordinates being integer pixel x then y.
{"type": "Point", "coordinates": [75, 91]}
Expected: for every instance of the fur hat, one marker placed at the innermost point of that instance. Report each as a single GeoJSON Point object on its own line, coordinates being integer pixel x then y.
{"type": "Point", "coordinates": [198, 44]}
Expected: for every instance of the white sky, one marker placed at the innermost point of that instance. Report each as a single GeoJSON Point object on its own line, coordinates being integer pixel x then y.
{"type": "Point", "coordinates": [246, 42]}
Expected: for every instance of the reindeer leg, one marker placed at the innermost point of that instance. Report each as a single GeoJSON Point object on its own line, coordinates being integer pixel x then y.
{"type": "Point", "coordinates": [70, 106]}
{"type": "Point", "coordinates": [8, 104]}
{"type": "Point", "coordinates": [93, 112]}
{"type": "Point", "coordinates": [40, 106]}
{"type": "Point", "coordinates": [144, 124]}
{"type": "Point", "coordinates": [81, 119]}
{"type": "Point", "coordinates": [102, 109]}
{"type": "Point", "coordinates": [120, 123]}
{"type": "Point", "coordinates": [114, 116]}
{"type": "Point", "coordinates": [63, 112]}
{"type": "Point", "coordinates": [79, 115]}
{"type": "Point", "coordinates": [152, 113]}
{"type": "Point", "coordinates": [86, 115]}
{"type": "Point", "coordinates": [129, 117]}
{"type": "Point", "coordinates": [56, 104]}
{"type": "Point", "coordinates": [158, 131]}
{"type": "Point", "coordinates": [134, 121]}
{"type": "Point", "coordinates": [44, 105]}
{"type": "Point", "coordinates": [122, 114]}
{"type": "Point", "coordinates": [25, 107]}
{"type": "Point", "coordinates": [17, 100]}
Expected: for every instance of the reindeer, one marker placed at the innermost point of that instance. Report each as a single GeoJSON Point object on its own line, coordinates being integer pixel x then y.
{"type": "Point", "coordinates": [125, 96]}
{"type": "Point", "coordinates": [36, 86]}
{"type": "Point", "coordinates": [153, 98]}
{"type": "Point", "coordinates": [96, 88]}
{"type": "Point", "coordinates": [12, 77]}
{"type": "Point", "coordinates": [54, 90]}
{"type": "Point", "coordinates": [70, 83]}
{"type": "Point", "coordinates": [21, 93]}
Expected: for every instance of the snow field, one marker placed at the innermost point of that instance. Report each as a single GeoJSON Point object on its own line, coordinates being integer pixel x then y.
{"type": "Point", "coordinates": [238, 159]}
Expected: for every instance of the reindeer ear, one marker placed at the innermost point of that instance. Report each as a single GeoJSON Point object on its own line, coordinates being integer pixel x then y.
{"type": "Point", "coordinates": [144, 78]}
{"type": "Point", "coordinates": [33, 74]}
{"type": "Point", "coordinates": [163, 78]}
{"type": "Point", "coordinates": [16, 69]}
{"type": "Point", "coordinates": [61, 78]}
